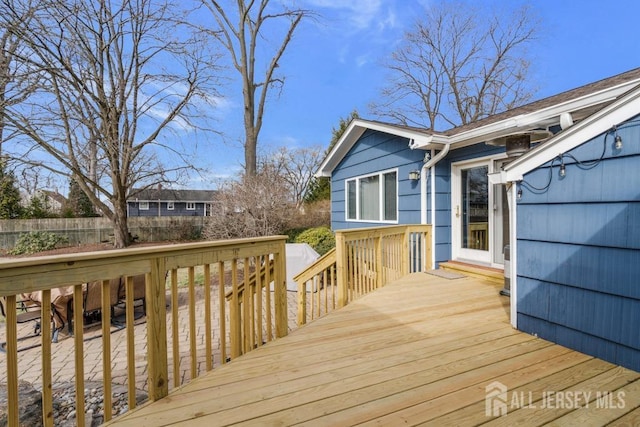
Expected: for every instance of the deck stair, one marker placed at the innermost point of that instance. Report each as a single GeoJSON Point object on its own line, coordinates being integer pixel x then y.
{"type": "Point", "coordinates": [493, 275]}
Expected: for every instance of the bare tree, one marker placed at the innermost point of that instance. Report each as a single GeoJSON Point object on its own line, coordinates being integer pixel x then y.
{"type": "Point", "coordinates": [252, 207]}
{"type": "Point", "coordinates": [297, 168]}
{"type": "Point", "coordinates": [241, 29]}
{"type": "Point", "coordinates": [118, 82]}
{"type": "Point", "coordinates": [459, 65]}
{"type": "Point", "coordinates": [17, 80]}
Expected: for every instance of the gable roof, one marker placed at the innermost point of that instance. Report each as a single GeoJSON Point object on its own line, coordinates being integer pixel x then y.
{"type": "Point", "coordinates": [596, 94]}
{"type": "Point", "coordinates": [605, 119]}
{"type": "Point", "coordinates": [167, 194]}
{"type": "Point", "coordinates": [54, 195]}
{"type": "Point", "coordinates": [579, 103]}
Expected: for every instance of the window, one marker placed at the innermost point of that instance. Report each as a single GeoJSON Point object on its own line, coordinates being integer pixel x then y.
{"type": "Point", "coordinates": [373, 197]}
{"type": "Point", "coordinates": [170, 206]}
{"type": "Point", "coordinates": [191, 206]}
{"type": "Point", "coordinates": [144, 206]}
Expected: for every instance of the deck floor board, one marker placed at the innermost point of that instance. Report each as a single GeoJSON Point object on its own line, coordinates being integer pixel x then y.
{"type": "Point", "coordinates": [420, 351]}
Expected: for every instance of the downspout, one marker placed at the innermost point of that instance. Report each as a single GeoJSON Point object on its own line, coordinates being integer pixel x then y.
{"type": "Point", "coordinates": [512, 197]}
{"type": "Point", "coordinates": [423, 195]}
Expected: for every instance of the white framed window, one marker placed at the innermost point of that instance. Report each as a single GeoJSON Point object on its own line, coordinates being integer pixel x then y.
{"type": "Point", "coordinates": [373, 198]}
{"type": "Point", "coordinates": [144, 206]}
{"type": "Point", "coordinates": [191, 206]}
{"type": "Point", "coordinates": [171, 206]}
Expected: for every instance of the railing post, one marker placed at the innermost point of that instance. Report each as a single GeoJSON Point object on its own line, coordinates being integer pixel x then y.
{"type": "Point", "coordinates": [406, 252]}
{"type": "Point", "coordinates": [426, 236]}
{"type": "Point", "coordinates": [13, 416]}
{"type": "Point", "coordinates": [157, 330]}
{"type": "Point", "coordinates": [280, 291]}
{"type": "Point", "coordinates": [341, 266]}
{"type": "Point", "coordinates": [302, 303]}
{"type": "Point", "coordinates": [377, 252]}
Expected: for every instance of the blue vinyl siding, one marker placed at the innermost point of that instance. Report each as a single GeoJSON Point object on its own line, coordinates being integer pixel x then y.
{"type": "Point", "coordinates": [376, 152]}
{"type": "Point", "coordinates": [579, 252]}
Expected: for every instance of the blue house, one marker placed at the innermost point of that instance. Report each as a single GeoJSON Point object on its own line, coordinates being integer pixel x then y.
{"type": "Point", "coordinates": [556, 180]}
{"type": "Point", "coordinates": [168, 202]}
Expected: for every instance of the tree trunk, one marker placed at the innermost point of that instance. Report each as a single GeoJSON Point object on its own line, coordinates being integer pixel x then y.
{"type": "Point", "coordinates": [121, 237]}
{"type": "Point", "coordinates": [250, 151]}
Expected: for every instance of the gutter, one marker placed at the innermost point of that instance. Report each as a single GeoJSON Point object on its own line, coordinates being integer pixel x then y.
{"type": "Point", "coordinates": [429, 165]}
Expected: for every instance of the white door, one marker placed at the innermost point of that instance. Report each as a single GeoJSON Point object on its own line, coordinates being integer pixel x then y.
{"type": "Point", "coordinates": [478, 213]}
{"type": "Point", "coordinates": [500, 233]}
{"type": "Point", "coordinates": [470, 218]}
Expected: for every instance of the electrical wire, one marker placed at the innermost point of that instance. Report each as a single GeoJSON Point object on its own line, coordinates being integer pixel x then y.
{"type": "Point", "coordinates": [584, 165]}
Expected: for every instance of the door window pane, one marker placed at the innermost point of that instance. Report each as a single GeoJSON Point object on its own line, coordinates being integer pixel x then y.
{"type": "Point", "coordinates": [475, 208]}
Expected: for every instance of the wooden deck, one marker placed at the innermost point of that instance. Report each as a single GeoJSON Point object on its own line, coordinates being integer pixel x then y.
{"type": "Point", "coordinates": [422, 350]}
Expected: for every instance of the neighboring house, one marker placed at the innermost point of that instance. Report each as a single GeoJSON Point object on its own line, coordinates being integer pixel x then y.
{"type": "Point", "coordinates": [167, 202]}
{"type": "Point", "coordinates": [54, 201]}
{"type": "Point", "coordinates": [566, 199]}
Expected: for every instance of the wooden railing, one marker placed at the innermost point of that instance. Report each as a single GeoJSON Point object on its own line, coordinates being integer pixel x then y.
{"type": "Point", "coordinates": [478, 236]}
{"type": "Point", "coordinates": [226, 261]}
{"type": "Point", "coordinates": [364, 260]}
{"type": "Point", "coordinates": [319, 281]}
{"type": "Point", "coordinates": [245, 308]}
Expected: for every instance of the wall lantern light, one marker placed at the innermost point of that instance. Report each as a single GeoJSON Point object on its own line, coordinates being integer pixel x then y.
{"type": "Point", "coordinates": [414, 175]}
{"type": "Point", "coordinates": [618, 142]}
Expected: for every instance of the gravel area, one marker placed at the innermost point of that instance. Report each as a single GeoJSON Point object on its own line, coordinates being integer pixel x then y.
{"type": "Point", "coordinates": [64, 400]}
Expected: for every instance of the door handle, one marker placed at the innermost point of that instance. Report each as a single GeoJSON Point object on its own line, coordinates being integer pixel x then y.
{"type": "Point", "coordinates": [457, 211]}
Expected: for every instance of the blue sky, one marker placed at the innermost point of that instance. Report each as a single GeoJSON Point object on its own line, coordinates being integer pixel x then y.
{"type": "Point", "coordinates": [334, 64]}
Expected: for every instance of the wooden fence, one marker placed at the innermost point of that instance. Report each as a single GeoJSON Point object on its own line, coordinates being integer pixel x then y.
{"type": "Point", "coordinates": [97, 230]}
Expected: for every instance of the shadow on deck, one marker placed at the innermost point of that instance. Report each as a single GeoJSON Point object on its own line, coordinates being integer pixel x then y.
{"type": "Point", "coordinates": [423, 350]}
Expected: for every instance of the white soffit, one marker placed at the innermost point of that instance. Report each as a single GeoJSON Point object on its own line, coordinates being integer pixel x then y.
{"type": "Point", "coordinates": [422, 140]}
{"type": "Point", "coordinates": [355, 130]}
{"type": "Point", "coordinates": [594, 125]}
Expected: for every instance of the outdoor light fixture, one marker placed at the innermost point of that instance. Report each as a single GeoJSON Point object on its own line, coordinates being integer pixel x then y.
{"type": "Point", "coordinates": [519, 193]}
{"type": "Point", "coordinates": [518, 143]}
{"type": "Point", "coordinates": [618, 142]}
{"type": "Point", "coordinates": [563, 170]}
{"type": "Point", "coordinates": [617, 139]}
{"type": "Point", "coordinates": [414, 175]}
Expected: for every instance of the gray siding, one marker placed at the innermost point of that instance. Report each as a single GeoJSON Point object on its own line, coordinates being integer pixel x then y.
{"type": "Point", "coordinates": [579, 252]}
{"type": "Point", "coordinates": [180, 209]}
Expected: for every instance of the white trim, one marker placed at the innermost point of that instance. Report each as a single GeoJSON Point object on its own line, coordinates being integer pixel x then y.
{"type": "Point", "coordinates": [455, 193]}
{"type": "Point", "coordinates": [430, 165]}
{"type": "Point", "coordinates": [432, 170]}
{"type": "Point", "coordinates": [544, 117]}
{"type": "Point", "coordinates": [424, 140]}
{"type": "Point", "coordinates": [355, 130]}
{"type": "Point", "coordinates": [457, 251]}
{"type": "Point", "coordinates": [357, 179]}
{"type": "Point", "coordinates": [596, 124]}
{"type": "Point", "coordinates": [190, 208]}
{"type": "Point", "coordinates": [171, 205]}
{"type": "Point", "coordinates": [513, 253]}
{"type": "Point", "coordinates": [143, 203]}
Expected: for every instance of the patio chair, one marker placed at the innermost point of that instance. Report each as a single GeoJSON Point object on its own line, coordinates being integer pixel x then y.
{"type": "Point", "coordinates": [29, 313]}
{"type": "Point", "coordinates": [139, 291]}
{"type": "Point", "coordinates": [92, 302]}
{"type": "Point", "coordinates": [26, 313]}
